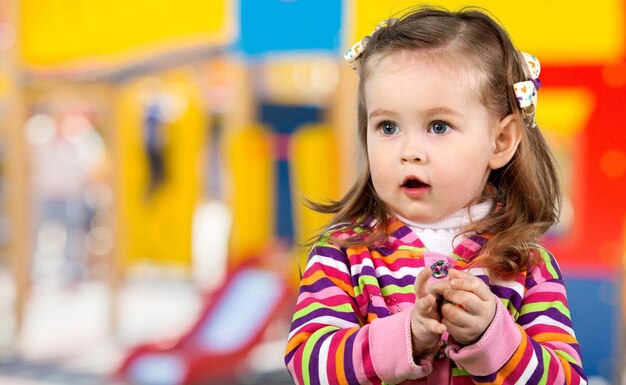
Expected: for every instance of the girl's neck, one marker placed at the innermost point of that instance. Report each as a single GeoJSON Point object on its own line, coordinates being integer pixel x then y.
{"type": "Point", "coordinates": [439, 236]}
{"type": "Point", "coordinates": [456, 220]}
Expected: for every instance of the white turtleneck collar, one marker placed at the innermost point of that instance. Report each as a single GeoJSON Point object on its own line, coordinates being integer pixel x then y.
{"type": "Point", "coordinates": [439, 236]}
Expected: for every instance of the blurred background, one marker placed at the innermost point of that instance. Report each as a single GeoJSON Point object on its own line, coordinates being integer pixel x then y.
{"type": "Point", "coordinates": [155, 157]}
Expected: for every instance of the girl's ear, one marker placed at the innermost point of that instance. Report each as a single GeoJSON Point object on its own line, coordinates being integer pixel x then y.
{"type": "Point", "coordinates": [507, 137]}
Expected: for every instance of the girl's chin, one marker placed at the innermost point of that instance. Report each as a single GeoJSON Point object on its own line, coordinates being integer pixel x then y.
{"type": "Point", "coordinates": [418, 218]}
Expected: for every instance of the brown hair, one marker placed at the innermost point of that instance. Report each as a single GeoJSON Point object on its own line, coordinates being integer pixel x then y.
{"type": "Point", "coordinates": [526, 189]}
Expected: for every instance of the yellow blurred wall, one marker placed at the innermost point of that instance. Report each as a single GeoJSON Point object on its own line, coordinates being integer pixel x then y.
{"type": "Point", "coordinates": [157, 226]}
{"type": "Point", "coordinates": [550, 30]}
{"type": "Point", "coordinates": [58, 31]}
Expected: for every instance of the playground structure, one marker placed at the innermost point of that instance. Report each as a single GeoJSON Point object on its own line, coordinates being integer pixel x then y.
{"type": "Point", "coordinates": [215, 135]}
{"type": "Point", "coordinates": [227, 330]}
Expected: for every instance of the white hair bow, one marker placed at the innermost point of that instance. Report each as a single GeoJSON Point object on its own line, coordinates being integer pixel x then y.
{"type": "Point", "coordinates": [526, 91]}
{"type": "Point", "coordinates": [353, 54]}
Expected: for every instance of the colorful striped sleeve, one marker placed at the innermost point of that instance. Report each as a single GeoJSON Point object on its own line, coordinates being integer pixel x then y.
{"type": "Point", "coordinates": [547, 352]}
{"type": "Point", "coordinates": [330, 341]}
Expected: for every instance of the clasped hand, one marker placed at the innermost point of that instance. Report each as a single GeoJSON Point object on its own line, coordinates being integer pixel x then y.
{"type": "Point", "coordinates": [462, 305]}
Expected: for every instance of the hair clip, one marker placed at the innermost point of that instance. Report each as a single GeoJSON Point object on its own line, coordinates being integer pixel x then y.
{"type": "Point", "coordinates": [353, 54]}
{"type": "Point", "coordinates": [526, 91]}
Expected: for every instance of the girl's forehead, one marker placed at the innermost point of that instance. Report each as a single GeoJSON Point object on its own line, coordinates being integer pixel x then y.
{"type": "Point", "coordinates": [444, 59]}
{"type": "Point", "coordinates": [449, 63]}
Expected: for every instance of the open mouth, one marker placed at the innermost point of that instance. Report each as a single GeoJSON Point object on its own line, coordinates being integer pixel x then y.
{"type": "Point", "coordinates": [414, 183]}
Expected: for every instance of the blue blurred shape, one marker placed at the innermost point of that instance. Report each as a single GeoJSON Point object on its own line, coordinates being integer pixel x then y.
{"type": "Point", "coordinates": [284, 120]}
{"type": "Point", "coordinates": [286, 25]}
{"type": "Point", "coordinates": [595, 309]}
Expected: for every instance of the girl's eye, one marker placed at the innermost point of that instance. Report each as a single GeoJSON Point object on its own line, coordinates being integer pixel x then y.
{"type": "Point", "coordinates": [388, 128]}
{"type": "Point", "coordinates": [439, 127]}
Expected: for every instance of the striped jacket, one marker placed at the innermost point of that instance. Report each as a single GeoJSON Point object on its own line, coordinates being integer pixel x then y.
{"type": "Point", "coordinates": [351, 324]}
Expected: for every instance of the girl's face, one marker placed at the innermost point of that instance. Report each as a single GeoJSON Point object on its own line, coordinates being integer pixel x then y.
{"type": "Point", "coordinates": [430, 140]}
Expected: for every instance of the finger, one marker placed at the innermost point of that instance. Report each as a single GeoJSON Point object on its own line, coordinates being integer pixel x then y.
{"type": "Point", "coordinates": [452, 328]}
{"type": "Point", "coordinates": [462, 280]}
{"type": "Point", "coordinates": [421, 282]}
{"type": "Point", "coordinates": [456, 315]}
{"type": "Point", "coordinates": [468, 300]}
{"type": "Point", "coordinates": [438, 288]}
{"type": "Point", "coordinates": [464, 327]}
{"type": "Point", "coordinates": [427, 306]}
{"type": "Point", "coordinates": [434, 326]}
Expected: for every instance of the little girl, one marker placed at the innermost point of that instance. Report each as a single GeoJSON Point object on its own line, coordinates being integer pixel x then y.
{"type": "Point", "coordinates": [430, 272]}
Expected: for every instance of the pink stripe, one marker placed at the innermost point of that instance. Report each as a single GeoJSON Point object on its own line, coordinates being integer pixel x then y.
{"type": "Point", "coordinates": [323, 294]}
{"type": "Point", "coordinates": [296, 366]}
{"type": "Point", "coordinates": [536, 273]}
{"type": "Point", "coordinates": [342, 235]}
{"type": "Point", "coordinates": [360, 255]}
{"type": "Point", "coordinates": [567, 348]}
{"type": "Point", "coordinates": [317, 267]}
{"type": "Point", "coordinates": [310, 327]}
{"type": "Point", "coordinates": [543, 328]}
{"type": "Point", "coordinates": [361, 359]}
{"type": "Point", "coordinates": [467, 248]}
{"type": "Point", "coordinates": [336, 299]}
{"type": "Point", "coordinates": [332, 353]}
{"type": "Point", "coordinates": [549, 286]}
{"type": "Point", "coordinates": [474, 247]}
{"type": "Point", "coordinates": [410, 238]}
{"type": "Point", "coordinates": [545, 272]}
{"type": "Point", "coordinates": [556, 371]}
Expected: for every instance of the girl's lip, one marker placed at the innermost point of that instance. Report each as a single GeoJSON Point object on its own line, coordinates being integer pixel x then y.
{"type": "Point", "coordinates": [414, 187]}
{"type": "Point", "coordinates": [416, 192]}
{"type": "Point", "coordinates": [410, 178]}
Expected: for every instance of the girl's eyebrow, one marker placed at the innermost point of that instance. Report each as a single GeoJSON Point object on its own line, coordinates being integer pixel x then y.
{"type": "Point", "coordinates": [381, 112]}
{"type": "Point", "coordinates": [443, 110]}
{"type": "Point", "coordinates": [430, 111]}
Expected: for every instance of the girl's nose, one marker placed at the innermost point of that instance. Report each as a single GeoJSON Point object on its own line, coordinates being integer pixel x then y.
{"type": "Point", "coordinates": [412, 154]}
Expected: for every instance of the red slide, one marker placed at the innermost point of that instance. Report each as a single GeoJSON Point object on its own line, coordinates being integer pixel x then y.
{"type": "Point", "coordinates": [228, 328]}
